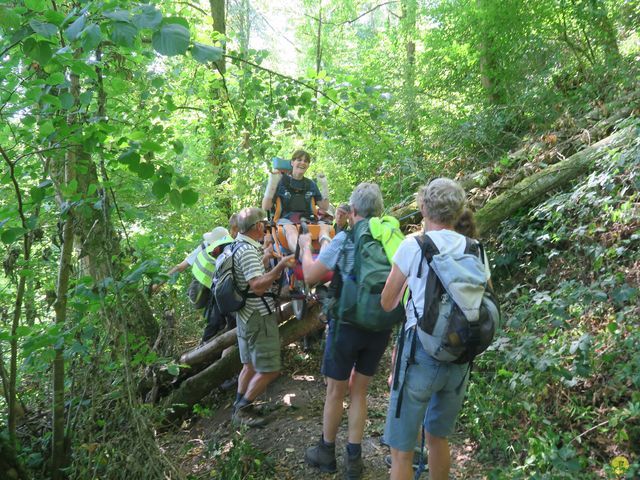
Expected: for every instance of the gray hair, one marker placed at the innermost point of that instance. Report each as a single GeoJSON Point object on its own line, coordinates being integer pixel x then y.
{"type": "Point", "coordinates": [248, 217]}
{"type": "Point", "coordinates": [233, 220]}
{"type": "Point", "coordinates": [443, 200]}
{"type": "Point", "coordinates": [366, 200]}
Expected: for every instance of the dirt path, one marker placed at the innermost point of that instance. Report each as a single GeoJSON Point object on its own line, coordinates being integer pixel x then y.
{"type": "Point", "coordinates": [294, 424]}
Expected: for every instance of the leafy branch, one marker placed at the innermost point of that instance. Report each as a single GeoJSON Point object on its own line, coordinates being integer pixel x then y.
{"type": "Point", "coordinates": [360, 118]}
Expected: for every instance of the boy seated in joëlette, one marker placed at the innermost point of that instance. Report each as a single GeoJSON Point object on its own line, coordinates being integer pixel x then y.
{"type": "Point", "coordinates": [297, 196]}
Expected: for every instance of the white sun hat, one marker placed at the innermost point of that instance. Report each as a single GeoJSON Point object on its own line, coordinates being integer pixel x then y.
{"type": "Point", "coordinates": [216, 234]}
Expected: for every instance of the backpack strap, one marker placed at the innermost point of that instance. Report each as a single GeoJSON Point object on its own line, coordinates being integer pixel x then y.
{"type": "Point", "coordinates": [410, 361]}
{"type": "Point", "coordinates": [428, 249]}
{"type": "Point", "coordinates": [473, 247]}
{"type": "Point", "coordinates": [245, 293]}
{"type": "Point", "coordinates": [433, 288]}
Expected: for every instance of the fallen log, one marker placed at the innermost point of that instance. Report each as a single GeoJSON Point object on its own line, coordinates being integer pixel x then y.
{"type": "Point", "coordinates": [193, 389]}
{"type": "Point", "coordinates": [210, 351]}
{"type": "Point", "coordinates": [522, 191]}
{"type": "Point", "coordinates": [536, 186]}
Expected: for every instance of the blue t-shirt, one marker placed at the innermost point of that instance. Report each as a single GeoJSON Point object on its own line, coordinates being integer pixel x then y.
{"type": "Point", "coordinates": [340, 253]}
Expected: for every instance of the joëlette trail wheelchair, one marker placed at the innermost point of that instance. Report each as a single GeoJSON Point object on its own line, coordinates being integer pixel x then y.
{"type": "Point", "coordinates": [301, 293]}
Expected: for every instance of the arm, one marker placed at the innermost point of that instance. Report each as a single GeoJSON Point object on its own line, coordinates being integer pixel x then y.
{"type": "Point", "coordinates": [314, 270]}
{"type": "Point", "coordinates": [323, 190]}
{"type": "Point", "coordinates": [259, 285]}
{"type": "Point", "coordinates": [269, 252]}
{"type": "Point", "coordinates": [270, 192]}
{"type": "Point", "coordinates": [179, 268]}
{"type": "Point", "coordinates": [267, 203]}
{"type": "Point", "coordinates": [393, 289]}
{"type": "Point", "coordinates": [324, 204]}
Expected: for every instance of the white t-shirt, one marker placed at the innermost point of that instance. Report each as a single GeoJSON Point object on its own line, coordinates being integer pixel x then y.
{"type": "Point", "coordinates": [191, 258]}
{"type": "Point", "coordinates": [407, 259]}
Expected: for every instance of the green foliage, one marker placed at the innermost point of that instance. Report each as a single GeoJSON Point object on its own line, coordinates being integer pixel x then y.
{"type": "Point", "coordinates": [240, 460]}
{"type": "Point", "coordinates": [567, 370]}
{"type": "Point", "coordinates": [164, 148]}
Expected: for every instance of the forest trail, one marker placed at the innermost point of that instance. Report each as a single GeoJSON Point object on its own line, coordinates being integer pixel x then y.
{"type": "Point", "coordinates": [295, 402]}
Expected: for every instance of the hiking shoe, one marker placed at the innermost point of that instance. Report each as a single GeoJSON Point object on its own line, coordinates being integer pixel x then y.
{"type": "Point", "coordinates": [248, 417]}
{"type": "Point", "coordinates": [322, 457]}
{"type": "Point", "coordinates": [416, 461]}
{"type": "Point", "coordinates": [353, 467]}
{"type": "Point", "coordinates": [229, 383]}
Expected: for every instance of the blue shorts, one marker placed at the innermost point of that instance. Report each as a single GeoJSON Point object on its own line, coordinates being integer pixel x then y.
{"type": "Point", "coordinates": [350, 347]}
{"type": "Point", "coordinates": [429, 387]}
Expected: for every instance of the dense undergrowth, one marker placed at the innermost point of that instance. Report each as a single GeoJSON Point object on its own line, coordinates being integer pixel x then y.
{"type": "Point", "coordinates": [558, 397]}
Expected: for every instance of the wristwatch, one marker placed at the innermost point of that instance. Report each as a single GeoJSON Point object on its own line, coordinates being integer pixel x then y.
{"type": "Point", "coordinates": [324, 237]}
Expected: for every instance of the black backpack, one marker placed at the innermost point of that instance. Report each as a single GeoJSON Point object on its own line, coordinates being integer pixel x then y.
{"type": "Point", "coordinates": [229, 297]}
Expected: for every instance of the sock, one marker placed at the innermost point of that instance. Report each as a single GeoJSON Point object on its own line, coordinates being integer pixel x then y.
{"type": "Point", "coordinates": [328, 444]}
{"type": "Point", "coordinates": [354, 449]}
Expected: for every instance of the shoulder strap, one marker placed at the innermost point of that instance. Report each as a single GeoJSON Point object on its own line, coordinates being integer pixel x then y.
{"type": "Point", "coordinates": [245, 293]}
{"type": "Point", "coordinates": [428, 249]}
{"type": "Point", "coordinates": [357, 235]}
{"type": "Point", "coordinates": [433, 286]}
{"type": "Point", "coordinates": [472, 247]}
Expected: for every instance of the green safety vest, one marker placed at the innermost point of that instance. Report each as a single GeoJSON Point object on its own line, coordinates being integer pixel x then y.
{"type": "Point", "coordinates": [205, 265]}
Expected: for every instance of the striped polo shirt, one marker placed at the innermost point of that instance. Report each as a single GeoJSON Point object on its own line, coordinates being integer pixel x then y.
{"type": "Point", "coordinates": [248, 264]}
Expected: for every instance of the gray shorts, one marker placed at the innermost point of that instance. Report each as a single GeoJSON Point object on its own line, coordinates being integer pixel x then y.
{"type": "Point", "coordinates": [259, 342]}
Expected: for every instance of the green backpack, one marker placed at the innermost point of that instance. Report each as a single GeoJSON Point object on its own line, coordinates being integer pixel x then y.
{"type": "Point", "coordinates": [359, 300]}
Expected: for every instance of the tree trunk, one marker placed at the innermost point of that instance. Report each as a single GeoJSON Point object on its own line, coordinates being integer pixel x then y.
{"type": "Point", "coordinates": [605, 28]}
{"type": "Point", "coordinates": [10, 467]}
{"type": "Point", "coordinates": [195, 388]}
{"type": "Point", "coordinates": [218, 122]}
{"type": "Point", "coordinates": [218, 15]}
{"type": "Point", "coordinates": [58, 453]}
{"type": "Point", "coordinates": [95, 239]}
{"type": "Point", "coordinates": [244, 33]}
{"type": "Point", "coordinates": [408, 26]}
{"type": "Point", "coordinates": [487, 64]}
{"type": "Point", "coordinates": [17, 309]}
{"type": "Point", "coordinates": [538, 185]}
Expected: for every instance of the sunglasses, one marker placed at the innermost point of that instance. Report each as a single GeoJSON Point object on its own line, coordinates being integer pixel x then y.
{"type": "Point", "coordinates": [265, 225]}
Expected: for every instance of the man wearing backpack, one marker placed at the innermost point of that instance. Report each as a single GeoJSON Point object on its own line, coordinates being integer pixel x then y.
{"type": "Point", "coordinates": [257, 325]}
{"type": "Point", "coordinates": [353, 349]}
{"type": "Point", "coordinates": [426, 385]}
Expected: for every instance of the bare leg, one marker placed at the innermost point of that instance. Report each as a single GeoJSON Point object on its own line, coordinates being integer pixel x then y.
{"type": "Point", "coordinates": [332, 414]}
{"type": "Point", "coordinates": [246, 374]}
{"type": "Point", "coordinates": [401, 465]}
{"type": "Point", "coordinates": [259, 383]}
{"type": "Point", "coordinates": [291, 233]}
{"type": "Point", "coordinates": [358, 407]}
{"type": "Point", "coordinates": [439, 457]}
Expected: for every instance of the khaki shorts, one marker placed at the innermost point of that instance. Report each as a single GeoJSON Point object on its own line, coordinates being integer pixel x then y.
{"type": "Point", "coordinates": [259, 342]}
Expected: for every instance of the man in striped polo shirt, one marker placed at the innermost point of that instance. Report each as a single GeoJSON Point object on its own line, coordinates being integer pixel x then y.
{"type": "Point", "coordinates": [257, 325]}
